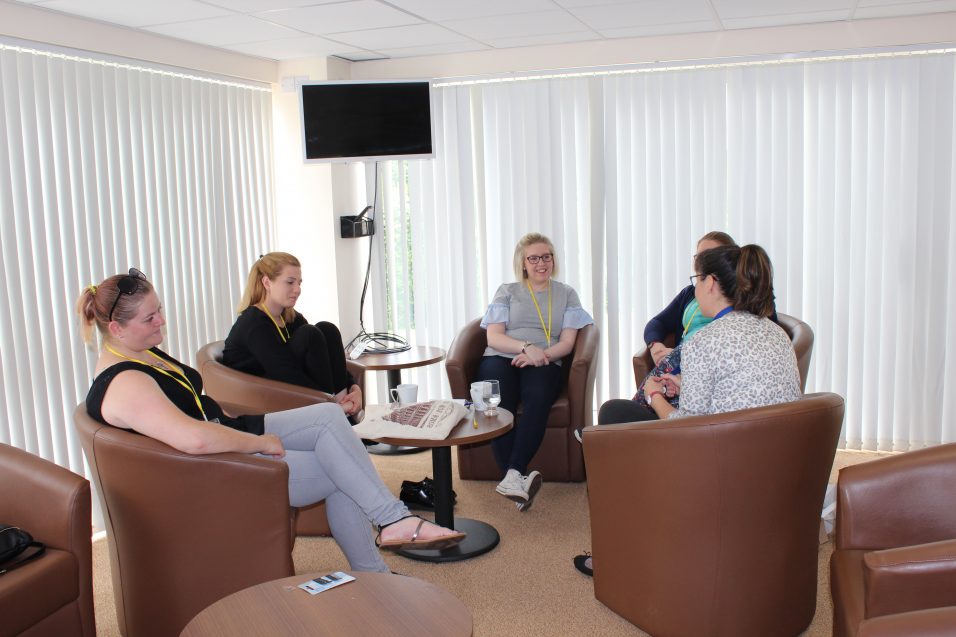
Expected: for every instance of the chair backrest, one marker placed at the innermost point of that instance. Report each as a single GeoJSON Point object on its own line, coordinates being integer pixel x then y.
{"type": "Point", "coordinates": [53, 504]}
{"type": "Point", "coordinates": [710, 525]}
{"type": "Point", "coordinates": [799, 332]}
{"type": "Point", "coordinates": [241, 393]}
{"type": "Point", "coordinates": [184, 531]}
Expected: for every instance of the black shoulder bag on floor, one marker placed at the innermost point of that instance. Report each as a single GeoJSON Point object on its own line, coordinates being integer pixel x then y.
{"type": "Point", "coordinates": [14, 541]}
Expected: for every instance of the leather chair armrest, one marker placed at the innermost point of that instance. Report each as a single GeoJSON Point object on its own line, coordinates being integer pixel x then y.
{"type": "Point", "coordinates": [910, 578]}
{"type": "Point", "coordinates": [934, 622]}
{"type": "Point", "coordinates": [581, 376]}
{"type": "Point", "coordinates": [47, 502]}
{"type": "Point", "coordinates": [357, 370]}
{"type": "Point", "coordinates": [464, 354]}
{"type": "Point", "coordinates": [896, 501]}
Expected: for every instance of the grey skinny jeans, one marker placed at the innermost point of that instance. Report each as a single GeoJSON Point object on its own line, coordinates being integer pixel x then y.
{"type": "Point", "coordinates": [327, 461]}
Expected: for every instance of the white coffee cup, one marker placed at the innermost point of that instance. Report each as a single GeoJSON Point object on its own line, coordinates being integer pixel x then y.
{"type": "Point", "coordinates": [405, 394]}
{"type": "Point", "coordinates": [478, 395]}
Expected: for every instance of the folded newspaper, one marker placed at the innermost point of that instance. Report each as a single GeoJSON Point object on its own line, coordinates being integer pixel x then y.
{"type": "Point", "coordinates": [431, 420]}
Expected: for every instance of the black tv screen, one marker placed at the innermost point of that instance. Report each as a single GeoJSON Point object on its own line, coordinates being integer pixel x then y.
{"type": "Point", "coordinates": [366, 120]}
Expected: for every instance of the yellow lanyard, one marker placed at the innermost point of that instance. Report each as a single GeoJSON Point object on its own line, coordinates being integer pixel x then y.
{"type": "Point", "coordinates": [179, 377]}
{"type": "Point", "coordinates": [284, 337]}
{"type": "Point", "coordinates": [547, 330]}
{"type": "Point", "coordinates": [691, 320]}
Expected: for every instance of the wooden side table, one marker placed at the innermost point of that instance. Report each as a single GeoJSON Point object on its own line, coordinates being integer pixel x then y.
{"type": "Point", "coordinates": [377, 604]}
{"type": "Point", "coordinates": [393, 364]}
{"type": "Point", "coordinates": [482, 537]}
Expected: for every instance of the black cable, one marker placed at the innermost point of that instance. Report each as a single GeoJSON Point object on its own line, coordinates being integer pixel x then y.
{"type": "Point", "coordinates": [375, 342]}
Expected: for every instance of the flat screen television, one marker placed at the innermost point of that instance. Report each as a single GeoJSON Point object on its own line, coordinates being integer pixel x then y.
{"type": "Point", "coordinates": [351, 121]}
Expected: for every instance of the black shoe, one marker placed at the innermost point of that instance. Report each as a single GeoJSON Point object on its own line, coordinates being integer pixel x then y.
{"type": "Point", "coordinates": [426, 483]}
{"type": "Point", "coordinates": [581, 563]}
{"type": "Point", "coordinates": [417, 498]}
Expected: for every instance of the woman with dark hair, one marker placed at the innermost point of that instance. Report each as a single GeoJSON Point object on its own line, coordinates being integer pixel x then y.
{"type": "Point", "coordinates": [271, 339]}
{"type": "Point", "coordinates": [137, 386]}
{"type": "Point", "coordinates": [742, 359]}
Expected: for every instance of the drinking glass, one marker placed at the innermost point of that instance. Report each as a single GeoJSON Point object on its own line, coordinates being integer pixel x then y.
{"type": "Point", "coordinates": [492, 397]}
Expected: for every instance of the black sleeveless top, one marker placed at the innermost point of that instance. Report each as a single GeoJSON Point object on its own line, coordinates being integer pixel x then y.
{"type": "Point", "coordinates": [177, 394]}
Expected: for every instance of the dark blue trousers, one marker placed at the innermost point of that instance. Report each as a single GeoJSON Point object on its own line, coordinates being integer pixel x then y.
{"type": "Point", "coordinates": [536, 389]}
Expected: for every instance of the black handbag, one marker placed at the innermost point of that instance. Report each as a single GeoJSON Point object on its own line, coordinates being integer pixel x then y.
{"type": "Point", "coordinates": [14, 541]}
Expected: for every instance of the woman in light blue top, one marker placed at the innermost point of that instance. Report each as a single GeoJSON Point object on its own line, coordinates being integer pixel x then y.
{"type": "Point", "coordinates": [532, 324]}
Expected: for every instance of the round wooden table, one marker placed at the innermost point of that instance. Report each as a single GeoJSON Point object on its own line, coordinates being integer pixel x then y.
{"type": "Point", "coordinates": [377, 604]}
{"type": "Point", "coordinates": [392, 365]}
{"type": "Point", "coordinates": [482, 537]}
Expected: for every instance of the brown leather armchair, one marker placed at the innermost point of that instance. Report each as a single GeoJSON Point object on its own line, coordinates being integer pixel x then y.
{"type": "Point", "coordinates": [184, 531]}
{"type": "Point", "coordinates": [709, 526]}
{"type": "Point", "coordinates": [559, 459]}
{"type": "Point", "coordinates": [51, 595]}
{"type": "Point", "coordinates": [895, 546]}
{"type": "Point", "coordinates": [241, 393]}
{"type": "Point", "coordinates": [799, 332]}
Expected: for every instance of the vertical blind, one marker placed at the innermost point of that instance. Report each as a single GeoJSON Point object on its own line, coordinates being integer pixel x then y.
{"type": "Point", "coordinates": [841, 168]}
{"type": "Point", "coordinates": [104, 166]}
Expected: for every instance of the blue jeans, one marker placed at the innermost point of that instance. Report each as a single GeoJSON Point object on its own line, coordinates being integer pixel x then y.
{"type": "Point", "coordinates": [536, 389]}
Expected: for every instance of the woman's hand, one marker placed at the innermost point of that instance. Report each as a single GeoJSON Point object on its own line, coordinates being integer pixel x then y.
{"type": "Point", "coordinates": [651, 385]}
{"type": "Point", "coordinates": [659, 351]}
{"type": "Point", "coordinates": [272, 446]}
{"type": "Point", "coordinates": [527, 358]}
{"type": "Point", "coordinates": [351, 402]}
{"type": "Point", "coordinates": [671, 385]}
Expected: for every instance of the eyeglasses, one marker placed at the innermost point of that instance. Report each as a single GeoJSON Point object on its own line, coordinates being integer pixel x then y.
{"type": "Point", "coordinates": [699, 277]}
{"type": "Point", "coordinates": [128, 285]}
{"type": "Point", "coordinates": [545, 258]}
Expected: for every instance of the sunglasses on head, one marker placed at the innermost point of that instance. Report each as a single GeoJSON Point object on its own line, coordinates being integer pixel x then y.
{"type": "Point", "coordinates": [128, 285]}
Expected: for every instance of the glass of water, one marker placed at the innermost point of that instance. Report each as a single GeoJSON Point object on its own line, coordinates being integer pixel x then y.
{"type": "Point", "coordinates": [492, 397]}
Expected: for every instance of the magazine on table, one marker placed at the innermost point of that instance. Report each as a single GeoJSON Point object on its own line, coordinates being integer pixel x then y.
{"type": "Point", "coordinates": [430, 420]}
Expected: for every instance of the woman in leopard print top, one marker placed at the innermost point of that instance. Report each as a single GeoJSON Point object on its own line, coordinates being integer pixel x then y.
{"type": "Point", "coordinates": [741, 360]}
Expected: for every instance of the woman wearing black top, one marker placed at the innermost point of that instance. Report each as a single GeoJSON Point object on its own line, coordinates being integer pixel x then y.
{"type": "Point", "coordinates": [138, 386]}
{"type": "Point", "coordinates": [271, 339]}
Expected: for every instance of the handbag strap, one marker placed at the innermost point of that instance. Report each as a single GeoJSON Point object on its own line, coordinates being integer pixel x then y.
{"type": "Point", "coordinates": [40, 549]}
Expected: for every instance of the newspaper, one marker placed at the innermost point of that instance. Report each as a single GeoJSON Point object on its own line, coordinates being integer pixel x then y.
{"type": "Point", "coordinates": [431, 420]}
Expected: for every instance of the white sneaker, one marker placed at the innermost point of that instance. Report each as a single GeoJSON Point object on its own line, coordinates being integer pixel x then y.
{"type": "Point", "coordinates": [512, 487]}
{"type": "Point", "coordinates": [531, 483]}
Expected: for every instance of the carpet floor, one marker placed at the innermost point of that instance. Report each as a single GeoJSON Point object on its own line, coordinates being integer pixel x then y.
{"type": "Point", "coordinates": [526, 586]}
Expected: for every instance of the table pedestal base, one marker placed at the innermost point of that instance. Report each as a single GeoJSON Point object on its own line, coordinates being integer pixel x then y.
{"type": "Point", "coordinates": [481, 538]}
{"type": "Point", "coordinates": [382, 449]}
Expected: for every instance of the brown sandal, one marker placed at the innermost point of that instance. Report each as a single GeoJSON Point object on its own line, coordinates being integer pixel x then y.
{"type": "Point", "coordinates": [437, 543]}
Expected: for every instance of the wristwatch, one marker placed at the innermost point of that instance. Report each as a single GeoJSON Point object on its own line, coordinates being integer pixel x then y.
{"type": "Point", "coordinates": [525, 346]}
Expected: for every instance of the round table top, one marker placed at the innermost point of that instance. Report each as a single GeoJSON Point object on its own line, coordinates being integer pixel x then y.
{"type": "Point", "coordinates": [469, 430]}
{"type": "Point", "coordinates": [375, 604]}
{"type": "Point", "coordinates": [417, 356]}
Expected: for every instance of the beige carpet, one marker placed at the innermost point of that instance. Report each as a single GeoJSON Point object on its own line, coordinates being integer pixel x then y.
{"type": "Point", "coordinates": [526, 586]}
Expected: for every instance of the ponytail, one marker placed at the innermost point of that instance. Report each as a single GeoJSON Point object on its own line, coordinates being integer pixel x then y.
{"type": "Point", "coordinates": [268, 265]}
{"type": "Point", "coordinates": [754, 282]}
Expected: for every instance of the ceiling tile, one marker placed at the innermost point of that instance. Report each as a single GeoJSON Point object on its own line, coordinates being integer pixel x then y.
{"type": "Point", "coordinates": [362, 56]}
{"type": "Point", "coordinates": [515, 26]}
{"type": "Point", "coordinates": [784, 20]}
{"type": "Point", "coordinates": [591, 3]}
{"type": "Point", "coordinates": [728, 9]}
{"type": "Point", "coordinates": [293, 48]}
{"type": "Point", "coordinates": [253, 6]}
{"type": "Point", "coordinates": [233, 29]}
{"type": "Point", "coordinates": [444, 10]}
{"type": "Point", "coordinates": [137, 14]}
{"type": "Point", "coordinates": [551, 38]}
{"type": "Point", "coordinates": [660, 29]}
{"type": "Point", "coordinates": [880, 10]}
{"type": "Point", "coordinates": [435, 49]}
{"type": "Point", "coordinates": [340, 17]}
{"type": "Point", "coordinates": [646, 13]}
{"type": "Point", "coordinates": [400, 37]}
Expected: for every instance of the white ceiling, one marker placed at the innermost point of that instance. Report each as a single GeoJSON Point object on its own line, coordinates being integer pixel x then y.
{"type": "Point", "coordinates": [374, 29]}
